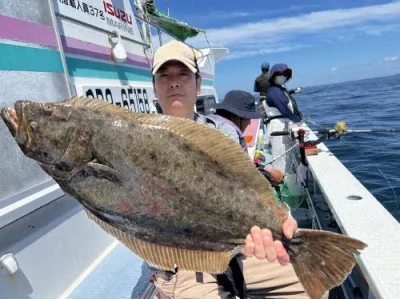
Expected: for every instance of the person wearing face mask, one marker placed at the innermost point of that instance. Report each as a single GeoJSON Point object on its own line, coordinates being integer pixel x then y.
{"type": "Point", "coordinates": [281, 111]}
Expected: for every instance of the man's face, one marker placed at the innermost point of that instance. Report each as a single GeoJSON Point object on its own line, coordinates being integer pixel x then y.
{"type": "Point", "coordinates": [176, 88]}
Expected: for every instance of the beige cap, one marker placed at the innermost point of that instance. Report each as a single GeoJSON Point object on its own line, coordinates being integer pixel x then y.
{"type": "Point", "coordinates": [174, 50]}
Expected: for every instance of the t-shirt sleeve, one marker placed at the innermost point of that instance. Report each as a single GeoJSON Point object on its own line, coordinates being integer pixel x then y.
{"type": "Point", "coordinates": [229, 131]}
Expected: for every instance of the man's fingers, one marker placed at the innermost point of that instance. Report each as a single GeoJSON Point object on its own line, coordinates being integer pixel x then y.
{"type": "Point", "coordinates": [254, 230]}
{"type": "Point", "coordinates": [281, 253]}
{"type": "Point", "coordinates": [260, 243]}
{"type": "Point", "coordinates": [249, 247]}
{"type": "Point", "coordinates": [269, 247]}
{"type": "Point", "coordinates": [289, 227]}
{"type": "Point", "coordinates": [259, 251]}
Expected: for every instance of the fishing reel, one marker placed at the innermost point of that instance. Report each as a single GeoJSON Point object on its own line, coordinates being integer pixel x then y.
{"type": "Point", "coordinates": [337, 132]}
{"type": "Point", "coordinates": [307, 148]}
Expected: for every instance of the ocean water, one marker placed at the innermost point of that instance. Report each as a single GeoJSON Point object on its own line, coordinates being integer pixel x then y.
{"type": "Point", "coordinates": [373, 158]}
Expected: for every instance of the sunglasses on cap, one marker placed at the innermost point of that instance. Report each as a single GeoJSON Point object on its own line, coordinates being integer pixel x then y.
{"type": "Point", "coordinates": [287, 73]}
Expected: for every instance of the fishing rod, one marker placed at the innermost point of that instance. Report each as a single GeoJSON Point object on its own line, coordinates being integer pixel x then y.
{"type": "Point", "coordinates": [340, 129]}
{"type": "Point", "coordinates": [334, 132]}
{"type": "Point", "coordinates": [359, 131]}
{"type": "Point", "coordinates": [308, 147]}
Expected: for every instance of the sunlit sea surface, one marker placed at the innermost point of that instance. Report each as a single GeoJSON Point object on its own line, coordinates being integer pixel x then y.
{"type": "Point", "coordinates": [374, 158]}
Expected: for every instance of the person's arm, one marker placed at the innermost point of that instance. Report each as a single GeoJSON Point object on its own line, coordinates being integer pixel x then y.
{"type": "Point", "coordinates": [273, 175]}
{"type": "Point", "coordinates": [229, 131]}
{"type": "Point", "coordinates": [296, 90]}
{"type": "Point", "coordinates": [276, 177]}
{"type": "Point", "coordinates": [256, 86]}
{"type": "Point", "coordinates": [279, 100]}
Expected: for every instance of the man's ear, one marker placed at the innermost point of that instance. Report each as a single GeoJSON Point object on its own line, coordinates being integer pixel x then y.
{"type": "Point", "coordinates": [198, 84]}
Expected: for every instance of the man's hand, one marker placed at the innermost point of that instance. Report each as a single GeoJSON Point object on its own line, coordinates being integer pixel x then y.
{"type": "Point", "coordinates": [261, 108]}
{"type": "Point", "coordinates": [296, 90]}
{"type": "Point", "coordinates": [276, 176]}
{"type": "Point", "coordinates": [259, 243]}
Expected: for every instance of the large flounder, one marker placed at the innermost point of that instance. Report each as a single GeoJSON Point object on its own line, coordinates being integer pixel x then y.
{"type": "Point", "coordinates": [173, 191]}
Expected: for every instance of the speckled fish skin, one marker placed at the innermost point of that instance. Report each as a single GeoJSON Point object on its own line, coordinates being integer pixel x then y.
{"type": "Point", "coordinates": [146, 179]}
{"type": "Point", "coordinates": [169, 183]}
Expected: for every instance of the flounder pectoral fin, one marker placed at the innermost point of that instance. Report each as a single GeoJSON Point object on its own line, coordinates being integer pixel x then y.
{"type": "Point", "coordinates": [56, 173]}
{"type": "Point", "coordinates": [103, 172]}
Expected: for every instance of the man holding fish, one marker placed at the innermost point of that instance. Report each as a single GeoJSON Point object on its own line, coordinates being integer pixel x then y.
{"type": "Point", "coordinates": [177, 83]}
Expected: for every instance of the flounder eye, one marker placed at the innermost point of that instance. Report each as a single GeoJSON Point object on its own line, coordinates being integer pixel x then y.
{"type": "Point", "coordinates": [48, 109]}
{"type": "Point", "coordinates": [33, 126]}
{"type": "Point", "coordinates": [64, 167]}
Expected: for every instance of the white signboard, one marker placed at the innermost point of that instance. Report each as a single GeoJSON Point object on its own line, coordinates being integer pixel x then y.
{"type": "Point", "coordinates": [109, 15]}
{"type": "Point", "coordinates": [137, 99]}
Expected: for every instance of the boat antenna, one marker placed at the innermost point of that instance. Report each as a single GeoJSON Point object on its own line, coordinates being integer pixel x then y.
{"type": "Point", "coordinates": [205, 35]}
{"type": "Point", "coordinates": [167, 5]}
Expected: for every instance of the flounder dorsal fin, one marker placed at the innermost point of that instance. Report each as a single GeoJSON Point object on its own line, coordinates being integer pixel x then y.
{"type": "Point", "coordinates": [222, 149]}
{"type": "Point", "coordinates": [219, 147]}
{"type": "Point", "coordinates": [94, 104]}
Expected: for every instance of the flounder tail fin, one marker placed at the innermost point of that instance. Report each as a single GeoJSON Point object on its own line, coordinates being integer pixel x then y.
{"type": "Point", "coordinates": [322, 260]}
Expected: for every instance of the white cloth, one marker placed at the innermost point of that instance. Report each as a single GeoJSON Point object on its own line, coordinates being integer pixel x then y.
{"type": "Point", "coordinates": [279, 144]}
{"type": "Point", "coordinates": [271, 111]}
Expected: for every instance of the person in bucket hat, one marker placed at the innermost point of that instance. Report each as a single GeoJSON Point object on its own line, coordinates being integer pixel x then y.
{"type": "Point", "coordinates": [240, 103]}
{"type": "Point", "coordinates": [239, 108]}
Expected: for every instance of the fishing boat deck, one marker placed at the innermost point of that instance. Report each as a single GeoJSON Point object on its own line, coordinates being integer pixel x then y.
{"type": "Point", "coordinates": [120, 274]}
{"type": "Point", "coordinates": [360, 215]}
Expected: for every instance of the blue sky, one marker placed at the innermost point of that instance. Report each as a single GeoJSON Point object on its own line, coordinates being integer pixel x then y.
{"type": "Point", "coordinates": [322, 41]}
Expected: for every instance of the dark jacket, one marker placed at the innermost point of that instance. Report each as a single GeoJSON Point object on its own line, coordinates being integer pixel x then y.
{"type": "Point", "coordinates": [261, 84]}
{"type": "Point", "coordinates": [279, 97]}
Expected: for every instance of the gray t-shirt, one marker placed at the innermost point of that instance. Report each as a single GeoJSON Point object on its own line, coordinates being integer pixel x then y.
{"type": "Point", "coordinates": [223, 126]}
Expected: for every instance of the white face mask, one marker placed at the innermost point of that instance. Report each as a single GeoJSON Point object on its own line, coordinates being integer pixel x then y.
{"type": "Point", "coordinates": [280, 80]}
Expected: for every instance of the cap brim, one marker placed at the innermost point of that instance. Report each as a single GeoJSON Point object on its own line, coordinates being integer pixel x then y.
{"type": "Point", "coordinates": [186, 62]}
{"type": "Point", "coordinates": [241, 113]}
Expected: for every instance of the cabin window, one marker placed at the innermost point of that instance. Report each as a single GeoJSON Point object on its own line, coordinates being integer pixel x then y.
{"type": "Point", "coordinates": [210, 104]}
{"type": "Point", "coordinates": [204, 104]}
{"type": "Point", "coordinates": [200, 105]}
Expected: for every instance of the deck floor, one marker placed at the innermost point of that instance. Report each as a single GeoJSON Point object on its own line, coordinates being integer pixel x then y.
{"type": "Point", "coordinates": [120, 275]}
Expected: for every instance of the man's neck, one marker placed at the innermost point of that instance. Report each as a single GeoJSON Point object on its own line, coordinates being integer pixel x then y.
{"type": "Point", "coordinates": [189, 115]}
